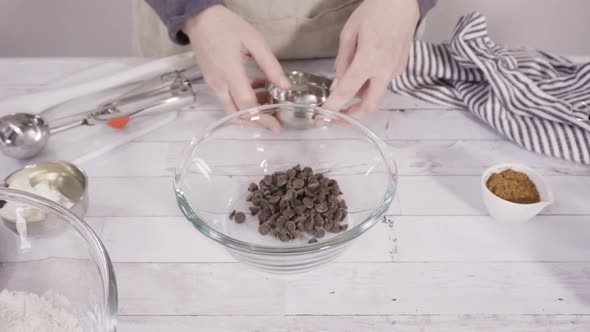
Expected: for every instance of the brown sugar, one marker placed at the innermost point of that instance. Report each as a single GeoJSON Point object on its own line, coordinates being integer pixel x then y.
{"type": "Point", "coordinates": [513, 186]}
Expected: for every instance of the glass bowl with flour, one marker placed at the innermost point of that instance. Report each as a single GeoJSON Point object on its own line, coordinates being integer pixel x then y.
{"type": "Point", "coordinates": [53, 281]}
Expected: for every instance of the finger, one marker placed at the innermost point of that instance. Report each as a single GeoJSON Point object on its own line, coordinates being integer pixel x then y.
{"type": "Point", "coordinates": [244, 97]}
{"type": "Point", "coordinates": [346, 50]}
{"type": "Point", "coordinates": [267, 62]}
{"type": "Point", "coordinates": [371, 99]}
{"type": "Point", "coordinates": [241, 90]}
{"type": "Point", "coordinates": [226, 101]}
{"type": "Point", "coordinates": [348, 86]}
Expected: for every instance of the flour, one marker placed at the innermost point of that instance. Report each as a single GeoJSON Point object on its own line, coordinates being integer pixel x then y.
{"type": "Point", "coordinates": [28, 312]}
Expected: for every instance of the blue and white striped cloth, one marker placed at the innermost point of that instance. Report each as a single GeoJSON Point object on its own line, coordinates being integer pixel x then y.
{"type": "Point", "coordinates": [537, 100]}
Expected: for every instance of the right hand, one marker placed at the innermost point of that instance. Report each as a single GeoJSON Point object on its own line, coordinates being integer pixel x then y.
{"type": "Point", "coordinates": [223, 42]}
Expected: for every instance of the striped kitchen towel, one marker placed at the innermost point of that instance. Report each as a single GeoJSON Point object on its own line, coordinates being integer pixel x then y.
{"type": "Point", "coordinates": [538, 100]}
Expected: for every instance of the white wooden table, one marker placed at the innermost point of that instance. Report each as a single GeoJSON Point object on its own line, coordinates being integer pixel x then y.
{"type": "Point", "coordinates": [438, 263]}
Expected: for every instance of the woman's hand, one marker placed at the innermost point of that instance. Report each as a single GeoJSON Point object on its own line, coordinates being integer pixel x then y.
{"type": "Point", "coordinates": [223, 42]}
{"type": "Point", "coordinates": [374, 47]}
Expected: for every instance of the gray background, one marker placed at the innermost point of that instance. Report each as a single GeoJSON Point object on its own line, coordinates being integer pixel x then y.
{"type": "Point", "coordinates": [37, 28]}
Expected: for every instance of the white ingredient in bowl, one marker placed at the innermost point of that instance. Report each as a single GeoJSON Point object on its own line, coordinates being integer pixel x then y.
{"type": "Point", "coordinates": [23, 311]}
{"type": "Point", "coordinates": [43, 189]}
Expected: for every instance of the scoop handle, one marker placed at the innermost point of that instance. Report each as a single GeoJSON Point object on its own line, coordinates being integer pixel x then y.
{"type": "Point", "coordinates": [37, 102]}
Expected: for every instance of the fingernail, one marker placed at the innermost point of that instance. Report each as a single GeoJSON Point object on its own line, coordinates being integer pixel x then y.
{"type": "Point", "coordinates": [333, 85]}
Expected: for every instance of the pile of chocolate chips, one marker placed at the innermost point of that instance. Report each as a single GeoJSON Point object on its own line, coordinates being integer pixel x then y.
{"type": "Point", "coordinates": [296, 201]}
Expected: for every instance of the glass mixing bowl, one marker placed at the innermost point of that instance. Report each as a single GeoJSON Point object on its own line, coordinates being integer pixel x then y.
{"type": "Point", "coordinates": [65, 264]}
{"type": "Point", "coordinates": [219, 164]}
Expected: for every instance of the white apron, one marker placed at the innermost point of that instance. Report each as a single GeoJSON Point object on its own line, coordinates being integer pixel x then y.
{"type": "Point", "coordinates": [294, 29]}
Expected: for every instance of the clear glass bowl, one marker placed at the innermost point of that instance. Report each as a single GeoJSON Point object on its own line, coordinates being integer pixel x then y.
{"type": "Point", "coordinates": [59, 259]}
{"type": "Point", "coordinates": [219, 164]}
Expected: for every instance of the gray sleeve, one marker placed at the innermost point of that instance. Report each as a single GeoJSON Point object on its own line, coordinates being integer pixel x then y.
{"type": "Point", "coordinates": [425, 7]}
{"type": "Point", "coordinates": [174, 12]}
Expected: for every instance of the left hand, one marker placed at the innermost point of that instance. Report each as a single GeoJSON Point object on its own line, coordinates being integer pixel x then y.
{"type": "Point", "coordinates": [374, 47]}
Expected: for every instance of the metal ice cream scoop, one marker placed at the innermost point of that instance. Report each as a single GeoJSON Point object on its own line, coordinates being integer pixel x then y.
{"type": "Point", "coordinates": [24, 135]}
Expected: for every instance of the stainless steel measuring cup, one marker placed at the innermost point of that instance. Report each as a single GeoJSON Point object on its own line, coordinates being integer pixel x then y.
{"type": "Point", "coordinates": [306, 89]}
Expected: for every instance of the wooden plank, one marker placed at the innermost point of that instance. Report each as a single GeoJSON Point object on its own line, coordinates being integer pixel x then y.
{"type": "Point", "coordinates": [425, 124]}
{"type": "Point", "coordinates": [478, 239]}
{"type": "Point", "coordinates": [41, 71]}
{"type": "Point", "coordinates": [412, 157]}
{"type": "Point", "coordinates": [176, 240]}
{"type": "Point", "coordinates": [9, 92]}
{"type": "Point", "coordinates": [394, 323]}
{"type": "Point", "coordinates": [418, 195]}
{"type": "Point", "coordinates": [400, 239]}
{"type": "Point", "coordinates": [356, 289]}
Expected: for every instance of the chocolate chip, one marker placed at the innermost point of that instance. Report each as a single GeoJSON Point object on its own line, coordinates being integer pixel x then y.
{"type": "Point", "coordinates": [254, 210]}
{"type": "Point", "coordinates": [313, 185]}
{"type": "Point", "coordinates": [283, 205]}
{"type": "Point", "coordinates": [281, 221]}
{"type": "Point", "coordinates": [342, 204]}
{"type": "Point", "coordinates": [324, 182]}
{"type": "Point", "coordinates": [309, 225]}
{"type": "Point", "coordinates": [249, 197]}
{"type": "Point", "coordinates": [338, 216]}
{"type": "Point", "coordinates": [263, 216]}
{"type": "Point", "coordinates": [344, 227]}
{"type": "Point", "coordinates": [268, 180]}
{"type": "Point", "coordinates": [301, 225]}
{"type": "Point", "coordinates": [285, 236]}
{"type": "Point", "coordinates": [252, 187]}
{"type": "Point", "coordinates": [298, 183]}
{"type": "Point", "coordinates": [256, 201]}
{"type": "Point", "coordinates": [300, 210]}
{"type": "Point", "coordinates": [313, 240]}
{"type": "Point", "coordinates": [297, 168]}
{"type": "Point", "coordinates": [300, 192]}
{"type": "Point", "coordinates": [336, 229]}
{"type": "Point", "coordinates": [289, 195]}
{"type": "Point", "coordinates": [290, 226]}
{"type": "Point", "coordinates": [231, 215]}
{"type": "Point", "coordinates": [309, 193]}
{"type": "Point", "coordinates": [2, 203]}
{"type": "Point", "coordinates": [321, 207]}
{"type": "Point", "coordinates": [318, 232]}
{"type": "Point", "coordinates": [328, 226]}
{"type": "Point", "coordinates": [308, 202]}
{"type": "Point", "coordinates": [240, 217]}
{"type": "Point", "coordinates": [318, 221]}
{"type": "Point", "coordinates": [307, 170]}
{"type": "Point", "coordinates": [291, 173]}
{"type": "Point", "coordinates": [289, 213]}
{"type": "Point", "coordinates": [274, 199]}
{"type": "Point", "coordinates": [282, 180]}
{"type": "Point", "coordinates": [264, 229]}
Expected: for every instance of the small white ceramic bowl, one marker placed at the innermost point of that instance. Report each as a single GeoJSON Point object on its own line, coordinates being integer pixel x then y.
{"type": "Point", "coordinates": [509, 212]}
